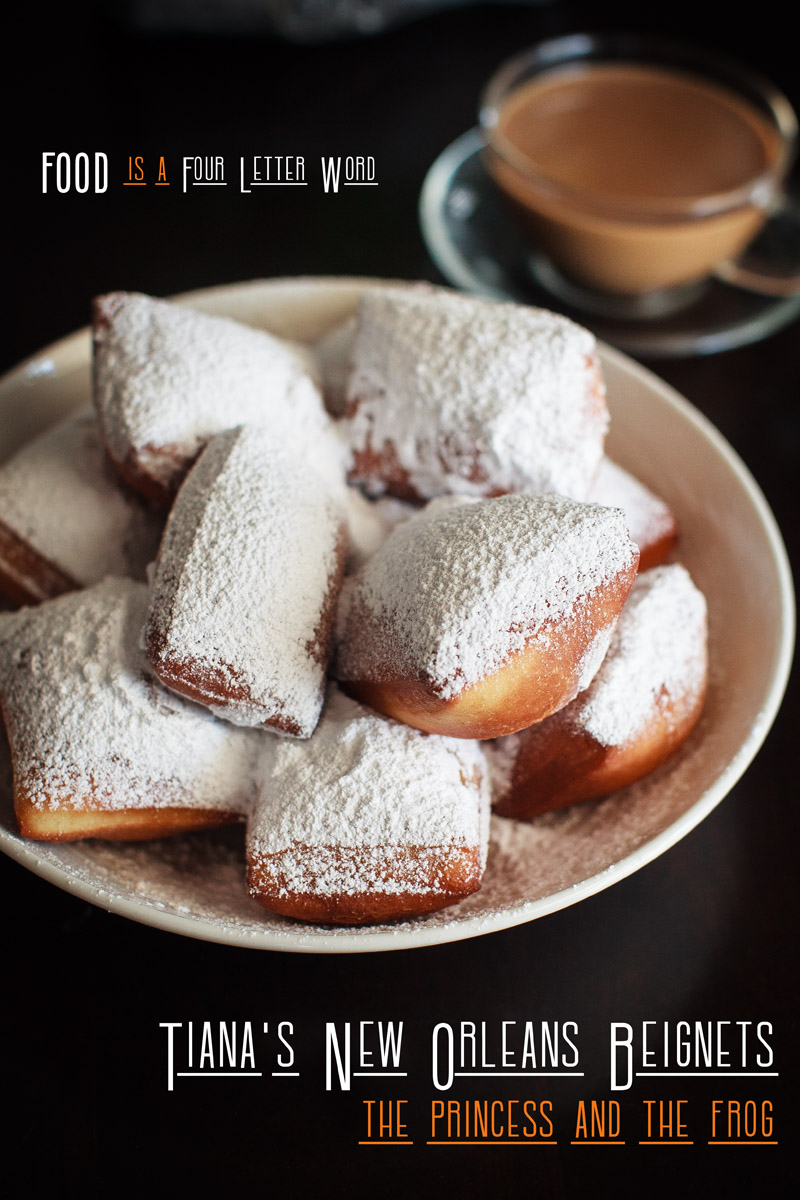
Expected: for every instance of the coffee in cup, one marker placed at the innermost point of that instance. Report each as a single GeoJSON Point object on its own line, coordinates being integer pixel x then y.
{"type": "Point", "coordinates": [636, 166]}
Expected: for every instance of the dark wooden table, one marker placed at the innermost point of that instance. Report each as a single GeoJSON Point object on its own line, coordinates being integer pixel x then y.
{"type": "Point", "coordinates": [705, 933]}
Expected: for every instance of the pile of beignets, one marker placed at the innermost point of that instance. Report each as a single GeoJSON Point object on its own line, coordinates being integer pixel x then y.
{"type": "Point", "coordinates": [354, 594]}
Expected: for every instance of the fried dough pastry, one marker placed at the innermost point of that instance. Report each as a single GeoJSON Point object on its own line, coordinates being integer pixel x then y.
{"type": "Point", "coordinates": [478, 618]}
{"type": "Point", "coordinates": [66, 518]}
{"type": "Point", "coordinates": [641, 706]}
{"type": "Point", "coordinates": [98, 747]}
{"type": "Point", "coordinates": [451, 394]}
{"type": "Point", "coordinates": [167, 378]}
{"type": "Point", "coordinates": [651, 523]}
{"type": "Point", "coordinates": [368, 821]}
{"type": "Point", "coordinates": [246, 583]}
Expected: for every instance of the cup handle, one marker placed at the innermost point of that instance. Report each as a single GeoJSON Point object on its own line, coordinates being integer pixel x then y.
{"type": "Point", "coordinates": [771, 264]}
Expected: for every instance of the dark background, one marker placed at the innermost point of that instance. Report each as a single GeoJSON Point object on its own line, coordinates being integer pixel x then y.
{"type": "Point", "coordinates": [707, 932]}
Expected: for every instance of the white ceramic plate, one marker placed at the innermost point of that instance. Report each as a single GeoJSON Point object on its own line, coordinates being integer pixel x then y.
{"type": "Point", "coordinates": [194, 885]}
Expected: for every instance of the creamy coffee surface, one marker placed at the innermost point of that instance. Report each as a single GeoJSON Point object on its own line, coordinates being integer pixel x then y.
{"type": "Point", "coordinates": [636, 132]}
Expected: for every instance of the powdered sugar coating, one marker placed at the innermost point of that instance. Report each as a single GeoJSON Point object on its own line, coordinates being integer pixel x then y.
{"type": "Point", "coordinates": [60, 495]}
{"type": "Point", "coordinates": [465, 584]}
{"type": "Point", "coordinates": [657, 659]}
{"type": "Point", "coordinates": [473, 396]}
{"type": "Point", "coordinates": [370, 522]}
{"type": "Point", "coordinates": [517, 835]}
{"type": "Point", "coordinates": [89, 725]}
{"type": "Point", "coordinates": [246, 582]}
{"type": "Point", "coordinates": [334, 352]}
{"type": "Point", "coordinates": [657, 665]}
{"type": "Point", "coordinates": [367, 783]}
{"type": "Point", "coordinates": [649, 518]}
{"type": "Point", "coordinates": [168, 379]}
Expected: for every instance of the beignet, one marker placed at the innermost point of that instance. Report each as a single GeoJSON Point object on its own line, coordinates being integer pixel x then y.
{"type": "Point", "coordinates": [641, 706]}
{"type": "Point", "coordinates": [368, 821]}
{"type": "Point", "coordinates": [651, 523]}
{"type": "Point", "coordinates": [477, 618]}
{"type": "Point", "coordinates": [98, 747]}
{"type": "Point", "coordinates": [66, 519]}
{"type": "Point", "coordinates": [454, 394]}
{"type": "Point", "coordinates": [246, 583]}
{"type": "Point", "coordinates": [167, 378]}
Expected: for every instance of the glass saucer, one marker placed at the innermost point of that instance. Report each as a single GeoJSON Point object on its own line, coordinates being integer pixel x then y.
{"type": "Point", "coordinates": [474, 242]}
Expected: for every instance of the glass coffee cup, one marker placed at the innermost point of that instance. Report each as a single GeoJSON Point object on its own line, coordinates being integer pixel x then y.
{"type": "Point", "coordinates": [638, 168]}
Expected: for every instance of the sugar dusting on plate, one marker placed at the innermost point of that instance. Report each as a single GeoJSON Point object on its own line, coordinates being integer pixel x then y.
{"type": "Point", "coordinates": [201, 877]}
